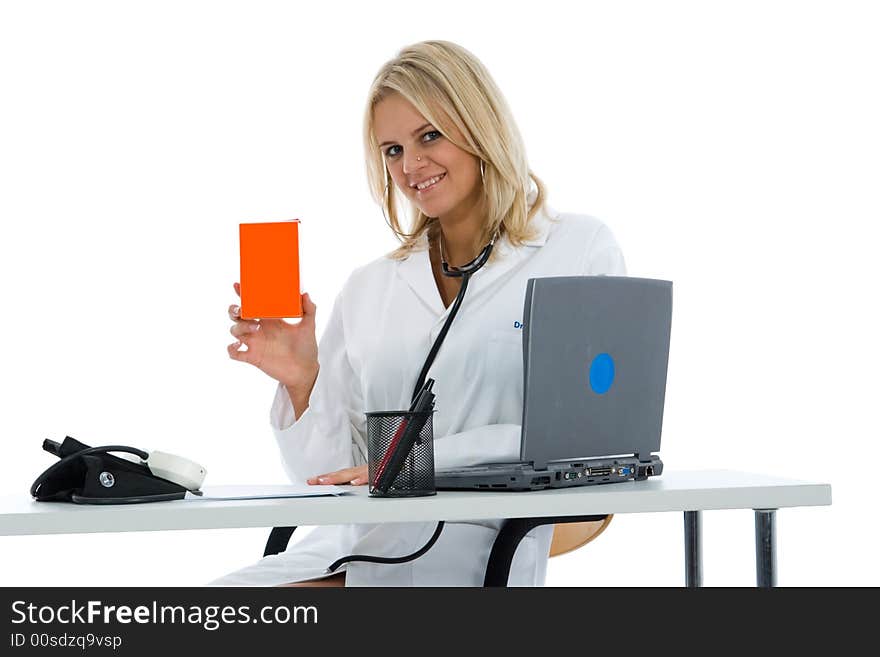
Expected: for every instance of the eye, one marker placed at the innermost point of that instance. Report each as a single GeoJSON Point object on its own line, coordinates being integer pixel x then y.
{"type": "Point", "coordinates": [390, 152]}
{"type": "Point", "coordinates": [431, 135]}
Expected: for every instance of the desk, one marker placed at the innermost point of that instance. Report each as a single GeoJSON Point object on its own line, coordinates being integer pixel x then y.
{"type": "Point", "coordinates": [689, 492]}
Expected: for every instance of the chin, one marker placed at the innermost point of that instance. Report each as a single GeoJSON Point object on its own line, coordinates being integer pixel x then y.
{"type": "Point", "coordinates": [434, 209]}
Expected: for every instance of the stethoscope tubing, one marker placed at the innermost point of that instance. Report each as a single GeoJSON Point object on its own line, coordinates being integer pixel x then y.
{"type": "Point", "coordinates": [441, 336]}
{"type": "Point", "coordinates": [465, 274]}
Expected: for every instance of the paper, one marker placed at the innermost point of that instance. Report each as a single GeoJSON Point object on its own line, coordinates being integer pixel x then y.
{"type": "Point", "coordinates": [258, 492]}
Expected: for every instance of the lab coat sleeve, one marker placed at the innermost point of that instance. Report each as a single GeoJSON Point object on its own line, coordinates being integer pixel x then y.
{"type": "Point", "coordinates": [493, 443]}
{"type": "Point", "coordinates": [329, 435]}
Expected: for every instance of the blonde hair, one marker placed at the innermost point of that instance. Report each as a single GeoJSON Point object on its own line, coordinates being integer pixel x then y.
{"type": "Point", "coordinates": [449, 86]}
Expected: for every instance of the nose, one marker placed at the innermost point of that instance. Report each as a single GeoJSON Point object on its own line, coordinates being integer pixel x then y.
{"type": "Point", "coordinates": [412, 160]}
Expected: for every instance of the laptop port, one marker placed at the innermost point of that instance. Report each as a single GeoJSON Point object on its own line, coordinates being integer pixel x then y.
{"type": "Point", "coordinates": [540, 480]}
{"type": "Point", "coordinates": [599, 472]}
{"type": "Point", "coordinates": [625, 471]}
{"type": "Point", "coordinates": [645, 471]}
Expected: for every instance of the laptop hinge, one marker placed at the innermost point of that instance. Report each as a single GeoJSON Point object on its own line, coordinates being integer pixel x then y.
{"type": "Point", "coordinates": [537, 465]}
{"type": "Point", "coordinates": [645, 458]}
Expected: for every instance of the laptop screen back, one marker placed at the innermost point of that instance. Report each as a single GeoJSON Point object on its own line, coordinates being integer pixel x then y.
{"type": "Point", "coordinates": [595, 355]}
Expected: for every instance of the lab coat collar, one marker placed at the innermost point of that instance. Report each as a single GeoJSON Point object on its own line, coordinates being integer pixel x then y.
{"type": "Point", "coordinates": [416, 268]}
{"type": "Point", "coordinates": [416, 271]}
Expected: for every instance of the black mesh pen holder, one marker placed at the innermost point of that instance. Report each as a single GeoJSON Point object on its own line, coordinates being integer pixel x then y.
{"type": "Point", "coordinates": [387, 430]}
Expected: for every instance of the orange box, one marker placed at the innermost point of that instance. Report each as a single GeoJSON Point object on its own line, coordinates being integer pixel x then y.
{"type": "Point", "coordinates": [269, 269]}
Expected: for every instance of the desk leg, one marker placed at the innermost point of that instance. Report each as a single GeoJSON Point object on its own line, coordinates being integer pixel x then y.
{"type": "Point", "coordinates": [765, 547]}
{"type": "Point", "coordinates": [693, 549]}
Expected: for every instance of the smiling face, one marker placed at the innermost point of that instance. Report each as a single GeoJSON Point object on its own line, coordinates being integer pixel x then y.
{"type": "Point", "coordinates": [440, 178]}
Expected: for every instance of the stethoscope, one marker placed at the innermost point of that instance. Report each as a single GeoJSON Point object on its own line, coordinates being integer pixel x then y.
{"type": "Point", "coordinates": [464, 272]}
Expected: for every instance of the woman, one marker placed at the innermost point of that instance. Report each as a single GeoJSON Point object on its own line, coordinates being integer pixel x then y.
{"type": "Point", "coordinates": [438, 133]}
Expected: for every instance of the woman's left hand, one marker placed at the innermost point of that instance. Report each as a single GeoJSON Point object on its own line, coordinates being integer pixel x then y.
{"type": "Point", "coordinates": [356, 476]}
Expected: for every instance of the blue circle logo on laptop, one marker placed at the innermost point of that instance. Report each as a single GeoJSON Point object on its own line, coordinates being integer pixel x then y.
{"type": "Point", "coordinates": [601, 373]}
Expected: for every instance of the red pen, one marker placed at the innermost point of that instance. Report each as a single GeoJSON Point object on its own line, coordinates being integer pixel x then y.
{"type": "Point", "coordinates": [391, 449]}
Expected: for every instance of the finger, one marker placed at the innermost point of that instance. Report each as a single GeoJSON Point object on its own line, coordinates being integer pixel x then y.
{"type": "Point", "coordinates": [237, 288]}
{"type": "Point", "coordinates": [240, 350]}
{"type": "Point", "coordinates": [338, 477]}
{"type": "Point", "coordinates": [309, 307]}
{"type": "Point", "coordinates": [234, 353]}
{"type": "Point", "coordinates": [241, 329]}
{"type": "Point", "coordinates": [234, 312]}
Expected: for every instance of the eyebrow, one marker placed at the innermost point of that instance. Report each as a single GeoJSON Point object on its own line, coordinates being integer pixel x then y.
{"type": "Point", "coordinates": [417, 130]}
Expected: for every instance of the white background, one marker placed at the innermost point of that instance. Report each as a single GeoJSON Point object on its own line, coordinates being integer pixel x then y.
{"type": "Point", "coordinates": [731, 146]}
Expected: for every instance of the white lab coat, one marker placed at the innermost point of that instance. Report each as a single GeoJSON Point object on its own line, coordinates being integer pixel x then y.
{"type": "Point", "coordinates": [380, 330]}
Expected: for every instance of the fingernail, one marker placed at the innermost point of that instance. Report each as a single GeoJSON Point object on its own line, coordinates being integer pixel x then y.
{"type": "Point", "coordinates": [322, 480]}
{"type": "Point", "coordinates": [355, 482]}
{"type": "Point", "coordinates": [236, 310]}
{"type": "Point", "coordinates": [255, 327]}
{"type": "Point", "coordinates": [237, 344]}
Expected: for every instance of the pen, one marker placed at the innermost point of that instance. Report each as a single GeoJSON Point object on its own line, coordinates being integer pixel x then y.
{"type": "Point", "coordinates": [404, 438]}
{"type": "Point", "coordinates": [394, 441]}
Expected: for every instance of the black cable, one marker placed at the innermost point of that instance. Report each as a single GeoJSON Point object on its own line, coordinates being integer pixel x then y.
{"type": "Point", "coordinates": [424, 373]}
{"type": "Point", "coordinates": [436, 346]}
{"type": "Point", "coordinates": [469, 269]}
{"type": "Point", "coordinates": [415, 555]}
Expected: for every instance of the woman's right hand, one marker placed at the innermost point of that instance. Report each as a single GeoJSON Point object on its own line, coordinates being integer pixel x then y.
{"type": "Point", "coordinates": [286, 352]}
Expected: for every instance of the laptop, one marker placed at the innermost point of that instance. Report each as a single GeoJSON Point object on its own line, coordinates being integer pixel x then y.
{"type": "Point", "coordinates": [595, 356]}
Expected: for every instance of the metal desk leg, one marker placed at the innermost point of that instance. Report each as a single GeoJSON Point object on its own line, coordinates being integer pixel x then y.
{"type": "Point", "coordinates": [693, 549]}
{"type": "Point", "coordinates": [765, 547]}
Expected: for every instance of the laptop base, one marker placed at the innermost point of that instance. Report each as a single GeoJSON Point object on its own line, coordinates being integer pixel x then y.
{"type": "Point", "coordinates": [562, 474]}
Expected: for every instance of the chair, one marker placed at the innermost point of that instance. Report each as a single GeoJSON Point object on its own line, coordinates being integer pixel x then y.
{"type": "Point", "coordinates": [569, 533]}
{"type": "Point", "coordinates": [569, 536]}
